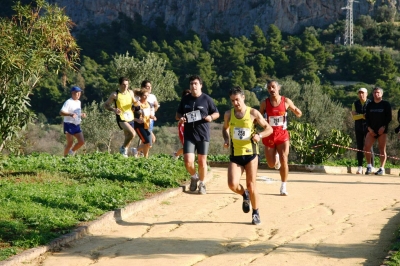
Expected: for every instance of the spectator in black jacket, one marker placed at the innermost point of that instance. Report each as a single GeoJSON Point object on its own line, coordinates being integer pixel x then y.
{"type": "Point", "coordinates": [360, 125]}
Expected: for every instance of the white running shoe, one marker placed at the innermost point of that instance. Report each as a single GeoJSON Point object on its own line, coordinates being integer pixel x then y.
{"type": "Point", "coordinates": [134, 152]}
{"type": "Point", "coordinates": [123, 151]}
{"type": "Point", "coordinates": [71, 153]}
{"type": "Point", "coordinates": [359, 170]}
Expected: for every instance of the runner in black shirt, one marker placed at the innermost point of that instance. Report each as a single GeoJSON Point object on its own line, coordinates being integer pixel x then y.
{"type": "Point", "coordinates": [378, 116]}
{"type": "Point", "coordinates": [196, 110]}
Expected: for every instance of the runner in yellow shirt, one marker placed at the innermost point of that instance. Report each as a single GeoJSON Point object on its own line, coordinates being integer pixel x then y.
{"type": "Point", "coordinates": [241, 137]}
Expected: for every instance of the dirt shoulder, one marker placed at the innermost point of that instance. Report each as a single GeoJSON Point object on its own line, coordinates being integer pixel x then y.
{"type": "Point", "coordinates": [327, 219]}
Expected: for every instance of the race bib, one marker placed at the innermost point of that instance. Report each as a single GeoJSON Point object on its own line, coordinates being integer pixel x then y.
{"type": "Point", "coordinates": [146, 112]}
{"type": "Point", "coordinates": [241, 133]}
{"type": "Point", "coordinates": [128, 116]}
{"type": "Point", "coordinates": [193, 116]}
{"type": "Point", "coordinates": [276, 121]}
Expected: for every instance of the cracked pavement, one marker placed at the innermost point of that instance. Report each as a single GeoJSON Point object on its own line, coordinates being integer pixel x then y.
{"type": "Point", "coordinates": [326, 220]}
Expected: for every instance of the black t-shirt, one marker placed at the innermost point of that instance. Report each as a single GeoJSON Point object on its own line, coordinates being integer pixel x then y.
{"type": "Point", "coordinates": [195, 109]}
{"type": "Point", "coordinates": [378, 115]}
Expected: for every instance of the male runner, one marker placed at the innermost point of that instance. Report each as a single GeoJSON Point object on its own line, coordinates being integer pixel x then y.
{"type": "Point", "coordinates": [240, 135]}
{"type": "Point", "coordinates": [277, 144]}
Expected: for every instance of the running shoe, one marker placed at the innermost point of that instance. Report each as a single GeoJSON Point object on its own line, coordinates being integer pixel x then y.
{"type": "Point", "coordinates": [256, 219]}
{"type": "Point", "coordinates": [193, 183]}
{"type": "Point", "coordinates": [359, 170]}
{"type": "Point", "coordinates": [123, 151]}
{"type": "Point", "coordinates": [283, 191]}
{"type": "Point", "coordinates": [277, 162]}
{"type": "Point", "coordinates": [71, 153]}
{"type": "Point", "coordinates": [369, 171]}
{"type": "Point", "coordinates": [134, 152]}
{"type": "Point", "coordinates": [380, 172]}
{"type": "Point", "coordinates": [202, 189]}
{"type": "Point", "coordinates": [246, 202]}
{"type": "Point", "coordinates": [175, 156]}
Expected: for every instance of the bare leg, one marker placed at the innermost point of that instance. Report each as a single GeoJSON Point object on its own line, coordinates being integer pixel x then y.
{"type": "Point", "coordinates": [202, 161]}
{"type": "Point", "coordinates": [189, 163]}
{"type": "Point", "coordinates": [70, 142]}
{"type": "Point", "coordinates": [129, 133]}
{"type": "Point", "coordinates": [251, 178]}
{"type": "Point", "coordinates": [283, 151]}
{"type": "Point", "coordinates": [382, 149]}
{"type": "Point", "coordinates": [81, 141]}
{"type": "Point", "coordinates": [270, 156]}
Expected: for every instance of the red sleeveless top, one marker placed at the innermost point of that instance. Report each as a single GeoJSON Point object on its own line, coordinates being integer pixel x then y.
{"type": "Point", "coordinates": [276, 116]}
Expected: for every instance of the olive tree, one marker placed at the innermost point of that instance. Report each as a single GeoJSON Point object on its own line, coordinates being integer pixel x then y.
{"type": "Point", "coordinates": [151, 68]}
{"type": "Point", "coordinates": [35, 41]}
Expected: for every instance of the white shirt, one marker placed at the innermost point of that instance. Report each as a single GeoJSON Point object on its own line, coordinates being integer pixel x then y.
{"type": "Point", "coordinates": [72, 107]}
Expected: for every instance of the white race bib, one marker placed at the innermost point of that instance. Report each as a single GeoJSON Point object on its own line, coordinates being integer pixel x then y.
{"type": "Point", "coordinates": [276, 121]}
{"type": "Point", "coordinates": [193, 116]}
{"type": "Point", "coordinates": [241, 133]}
{"type": "Point", "coordinates": [146, 112]}
{"type": "Point", "coordinates": [128, 116]}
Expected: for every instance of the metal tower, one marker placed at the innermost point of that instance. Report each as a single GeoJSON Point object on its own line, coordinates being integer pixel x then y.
{"type": "Point", "coordinates": [348, 35]}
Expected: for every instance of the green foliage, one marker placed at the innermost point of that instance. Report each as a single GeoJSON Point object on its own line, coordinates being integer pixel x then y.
{"type": "Point", "coordinates": [46, 196]}
{"type": "Point", "coordinates": [312, 150]}
{"type": "Point", "coordinates": [41, 42]}
{"type": "Point", "coordinates": [99, 127]}
{"type": "Point", "coordinates": [150, 67]}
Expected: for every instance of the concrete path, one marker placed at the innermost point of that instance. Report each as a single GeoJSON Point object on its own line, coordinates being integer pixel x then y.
{"type": "Point", "coordinates": [326, 220]}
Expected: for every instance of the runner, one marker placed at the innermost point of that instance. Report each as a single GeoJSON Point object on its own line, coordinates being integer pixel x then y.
{"type": "Point", "coordinates": [142, 117]}
{"type": "Point", "coordinates": [181, 129]}
{"type": "Point", "coordinates": [358, 109]}
{"type": "Point", "coordinates": [277, 144]}
{"type": "Point", "coordinates": [196, 110]}
{"type": "Point", "coordinates": [154, 105]}
{"type": "Point", "coordinates": [240, 134]}
{"type": "Point", "coordinates": [378, 116]}
{"type": "Point", "coordinates": [71, 111]}
{"type": "Point", "coordinates": [123, 99]}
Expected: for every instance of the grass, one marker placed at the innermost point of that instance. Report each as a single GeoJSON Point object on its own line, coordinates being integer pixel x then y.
{"type": "Point", "coordinates": [43, 197]}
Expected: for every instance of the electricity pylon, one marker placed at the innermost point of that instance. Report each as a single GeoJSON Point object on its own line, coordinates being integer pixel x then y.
{"type": "Point", "coordinates": [348, 35]}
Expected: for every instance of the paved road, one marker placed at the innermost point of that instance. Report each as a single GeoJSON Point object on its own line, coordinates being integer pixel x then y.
{"type": "Point", "coordinates": [326, 220]}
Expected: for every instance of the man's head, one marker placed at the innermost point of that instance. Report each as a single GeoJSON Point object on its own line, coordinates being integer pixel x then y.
{"type": "Point", "coordinates": [196, 83]}
{"type": "Point", "coordinates": [362, 94]}
{"type": "Point", "coordinates": [236, 94]}
{"type": "Point", "coordinates": [377, 93]}
{"type": "Point", "coordinates": [123, 83]}
{"type": "Point", "coordinates": [273, 87]}
{"type": "Point", "coordinates": [75, 92]}
{"type": "Point", "coordinates": [146, 84]}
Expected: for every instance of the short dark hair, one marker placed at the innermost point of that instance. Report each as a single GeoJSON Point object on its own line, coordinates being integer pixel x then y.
{"type": "Point", "coordinates": [194, 77]}
{"type": "Point", "coordinates": [378, 88]}
{"type": "Point", "coordinates": [273, 81]}
{"type": "Point", "coordinates": [236, 90]}
{"type": "Point", "coordinates": [185, 92]}
{"type": "Point", "coordinates": [122, 79]}
{"type": "Point", "coordinates": [144, 82]}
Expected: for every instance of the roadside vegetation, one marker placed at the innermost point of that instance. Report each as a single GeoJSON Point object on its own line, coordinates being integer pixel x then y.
{"type": "Point", "coordinates": [44, 196]}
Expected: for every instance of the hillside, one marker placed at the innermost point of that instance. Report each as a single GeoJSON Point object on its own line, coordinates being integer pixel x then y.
{"type": "Point", "coordinates": [237, 17]}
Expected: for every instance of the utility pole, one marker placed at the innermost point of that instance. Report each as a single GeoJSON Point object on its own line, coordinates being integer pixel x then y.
{"type": "Point", "coordinates": [348, 35]}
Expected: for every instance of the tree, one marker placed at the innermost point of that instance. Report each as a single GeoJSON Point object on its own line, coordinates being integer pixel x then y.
{"type": "Point", "coordinates": [99, 127]}
{"type": "Point", "coordinates": [150, 67]}
{"type": "Point", "coordinates": [40, 40]}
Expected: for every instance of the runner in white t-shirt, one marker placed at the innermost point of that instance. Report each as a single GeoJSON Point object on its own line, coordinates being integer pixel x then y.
{"type": "Point", "coordinates": [71, 111]}
{"type": "Point", "coordinates": [154, 105]}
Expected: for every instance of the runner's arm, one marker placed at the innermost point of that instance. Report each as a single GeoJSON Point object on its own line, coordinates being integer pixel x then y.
{"type": "Point", "coordinates": [109, 102]}
{"type": "Point", "coordinates": [292, 107]}
{"type": "Point", "coordinates": [259, 119]}
{"type": "Point", "coordinates": [225, 128]}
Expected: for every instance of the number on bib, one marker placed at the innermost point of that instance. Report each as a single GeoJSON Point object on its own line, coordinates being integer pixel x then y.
{"type": "Point", "coordinates": [241, 133]}
{"type": "Point", "coordinates": [276, 120]}
{"type": "Point", "coordinates": [193, 116]}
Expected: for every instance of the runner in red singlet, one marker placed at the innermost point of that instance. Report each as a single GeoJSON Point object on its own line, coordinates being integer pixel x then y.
{"type": "Point", "coordinates": [277, 144]}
